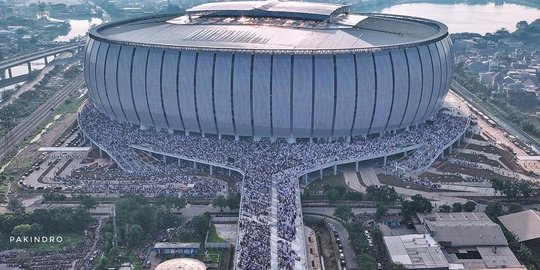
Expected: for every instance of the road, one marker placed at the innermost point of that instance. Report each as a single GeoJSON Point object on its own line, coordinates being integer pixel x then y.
{"type": "Point", "coordinates": [25, 128]}
{"type": "Point", "coordinates": [12, 62]}
{"type": "Point", "coordinates": [348, 253]}
{"type": "Point", "coordinates": [497, 117]}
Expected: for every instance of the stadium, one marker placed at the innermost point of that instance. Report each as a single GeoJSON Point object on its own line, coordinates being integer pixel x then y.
{"type": "Point", "coordinates": [270, 69]}
{"type": "Point", "coordinates": [253, 77]}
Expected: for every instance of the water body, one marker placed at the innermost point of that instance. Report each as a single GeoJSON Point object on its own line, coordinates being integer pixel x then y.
{"type": "Point", "coordinates": [79, 28]}
{"type": "Point", "coordinates": [481, 18]}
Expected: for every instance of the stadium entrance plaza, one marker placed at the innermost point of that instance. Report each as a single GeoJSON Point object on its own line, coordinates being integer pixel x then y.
{"type": "Point", "coordinates": [367, 173]}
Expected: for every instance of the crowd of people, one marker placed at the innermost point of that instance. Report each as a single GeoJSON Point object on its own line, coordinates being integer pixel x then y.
{"type": "Point", "coordinates": [421, 181]}
{"type": "Point", "coordinates": [265, 166]}
{"type": "Point", "coordinates": [462, 162]}
{"type": "Point", "coordinates": [110, 181]}
{"type": "Point", "coordinates": [63, 259]}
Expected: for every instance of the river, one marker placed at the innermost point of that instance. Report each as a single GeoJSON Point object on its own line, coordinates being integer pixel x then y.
{"type": "Point", "coordinates": [481, 18]}
{"type": "Point", "coordinates": [79, 28]}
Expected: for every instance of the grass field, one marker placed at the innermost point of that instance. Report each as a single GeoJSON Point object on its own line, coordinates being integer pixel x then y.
{"type": "Point", "coordinates": [213, 237]}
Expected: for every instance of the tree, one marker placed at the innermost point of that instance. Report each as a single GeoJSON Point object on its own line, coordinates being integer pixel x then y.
{"type": "Point", "coordinates": [381, 193]}
{"type": "Point", "coordinates": [22, 230]}
{"type": "Point", "coordinates": [377, 235]}
{"type": "Point", "coordinates": [233, 201]}
{"type": "Point", "coordinates": [344, 213]}
{"type": "Point", "coordinates": [497, 185]}
{"type": "Point", "coordinates": [88, 202]}
{"type": "Point", "coordinates": [469, 206]}
{"type": "Point", "coordinates": [200, 224]}
{"type": "Point", "coordinates": [332, 195]}
{"type": "Point", "coordinates": [494, 210]}
{"type": "Point", "coordinates": [134, 235]}
{"type": "Point", "coordinates": [380, 212]}
{"type": "Point", "coordinates": [514, 208]}
{"type": "Point", "coordinates": [219, 202]}
{"type": "Point", "coordinates": [418, 204]}
{"type": "Point", "coordinates": [457, 207]}
{"type": "Point", "coordinates": [366, 262]}
{"type": "Point", "coordinates": [396, 266]}
{"type": "Point", "coordinates": [521, 25]}
{"type": "Point", "coordinates": [15, 206]}
{"type": "Point", "coordinates": [445, 208]}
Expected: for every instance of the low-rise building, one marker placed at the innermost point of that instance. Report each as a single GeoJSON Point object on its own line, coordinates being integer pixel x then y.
{"type": "Point", "coordinates": [470, 240]}
{"type": "Point", "coordinates": [416, 251]}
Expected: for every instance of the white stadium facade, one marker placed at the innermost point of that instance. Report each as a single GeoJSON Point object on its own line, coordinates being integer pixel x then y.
{"type": "Point", "coordinates": [270, 69]}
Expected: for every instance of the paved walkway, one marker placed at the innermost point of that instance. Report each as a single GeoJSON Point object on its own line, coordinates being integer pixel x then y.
{"type": "Point", "coordinates": [313, 254]}
{"type": "Point", "coordinates": [351, 179]}
{"type": "Point", "coordinates": [369, 176]}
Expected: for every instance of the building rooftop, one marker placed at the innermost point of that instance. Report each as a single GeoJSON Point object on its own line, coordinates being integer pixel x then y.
{"type": "Point", "coordinates": [463, 229]}
{"type": "Point", "coordinates": [466, 233]}
{"type": "Point", "coordinates": [181, 264]}
{"type": "Point", "coordinates": [272, 27]}
{"type": "Point", "coordinates": [524, 224]}
{"type": "Point", "coordinates": [415, 251]}
{"type": "Point", "coordinates": [174, 245]}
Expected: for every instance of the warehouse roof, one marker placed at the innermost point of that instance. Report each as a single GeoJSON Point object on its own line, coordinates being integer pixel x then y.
{"type": "Point", "coordinates": [272, 27]}
{"type": "Point", "coordinates": [415, 251]}
{"type": "Point", "coordinates": [524, 224]}
{"type": "Point", "coordinates": [466, 233]}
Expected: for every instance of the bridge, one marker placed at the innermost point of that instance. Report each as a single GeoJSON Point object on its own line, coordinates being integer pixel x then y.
{"type": "Point", "coordinates": [27, 59]}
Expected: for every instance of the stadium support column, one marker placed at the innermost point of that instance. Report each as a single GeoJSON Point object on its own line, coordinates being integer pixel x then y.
{"type": "Point", "coordinates": [450, 149]}
{"type": "Point", "coordinates": [384, 160]}
{"type": "Point", "coordinates": [305, 179]}
{"type": "Point", "coordinates": [237, 138]}
{"type": "Point", "coordinates": [46, 60]}
{"type": "Point", "coordinates": [10, 74]}
{"type": "Point", "coordinates": [321, 173]}
{"type": "Point", "coordinates": [459, 142]}
{"type": "Point", "coordinates": [356, 165]}
{"type": "Point", "coordinates": [29, 67]}
{"type": "Point", "coordinates": [405, 153]}
{"type": "Point", "coordinates": [211, 170]}
{"type": "Point", "coordinates": [335, 169]}
{"type": "Point", "coordinates": [165, 159]}
{"type": "Point", "coordinates": [442, 154]}
{"type": "Point", "coordinates": [100, 153]}
{"type": "Point", "coordinates": [179, 162]}
{"type": "Point", "coordinates": [194, 165]}
{"type": "Point", "coordinates": [230, 172]}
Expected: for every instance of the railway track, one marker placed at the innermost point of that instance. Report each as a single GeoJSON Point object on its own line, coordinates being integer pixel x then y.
{"type": "Point", "coordinates": [25, 128]}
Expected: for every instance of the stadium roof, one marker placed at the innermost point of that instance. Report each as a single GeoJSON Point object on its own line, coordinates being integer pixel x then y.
{"type": "Point", "coordinates": [272, 27]}
{"type": "Point", "coordinates": [298, 10]}
{"type": "Point", "coordinates": [524, 224]}
{"type": "Point", "coordinates": [415, 251]}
